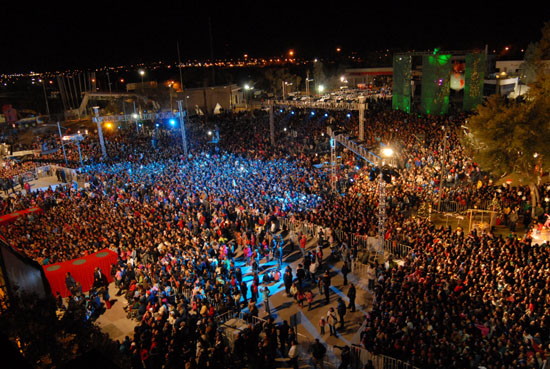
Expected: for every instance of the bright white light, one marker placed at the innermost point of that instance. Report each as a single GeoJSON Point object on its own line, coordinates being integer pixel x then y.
{"type": "Point", "coordinates": [387, 151]}
{"type": "Point", "coordinates": [321, 88]}
{"type": "Point", "coordinates": [135, 115]}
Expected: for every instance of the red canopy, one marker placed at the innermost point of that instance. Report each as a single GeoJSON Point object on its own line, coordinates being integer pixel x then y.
{"type": "Point", "coordinates": [82, 270]}
{"type": "Point", "coordinates": [10, 218]}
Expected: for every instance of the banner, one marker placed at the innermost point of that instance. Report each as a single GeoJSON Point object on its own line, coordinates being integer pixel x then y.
{"type": "Point", "coordinates": [436, 77]}
{"type": "Point", "coordinates": [473, 81]}
{"type": "Point", "coordinates": [401, 99]}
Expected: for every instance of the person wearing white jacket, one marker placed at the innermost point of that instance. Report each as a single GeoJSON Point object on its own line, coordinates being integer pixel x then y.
{"type": "Point", "coordinates": [293, 354]}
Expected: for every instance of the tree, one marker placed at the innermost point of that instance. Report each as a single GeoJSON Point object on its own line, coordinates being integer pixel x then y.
{"type": "Point", "coordinates": [276, 77]}
{"type": "Point", "coordinates": [510, 136]}
{"type": "Point", "coordinates": [318, 73]}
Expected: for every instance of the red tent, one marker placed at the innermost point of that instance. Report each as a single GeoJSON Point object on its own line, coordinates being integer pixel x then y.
{"type": "Point", "coordinates": [10, 218]}
{"type": "Point", "coordinates": [82, 270]}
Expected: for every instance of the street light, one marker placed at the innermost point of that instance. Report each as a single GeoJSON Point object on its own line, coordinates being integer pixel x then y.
{"type": "Point", "coordinates": [45, 97]}
{"type": "Point", "coordinates": [285, 83]}
{"type": "Point", "coordinates": [321, 88]}
{"type": "Point", "coordinates": [171, 86]}
{"type": "Point", "coordinates": [247, 88]}
{"type": "Point", "coordinates": [387, 152]}
{"type": "Point", "coordinates": [384, 177]}
{"type": "Point", "coordinates": [141, 73]}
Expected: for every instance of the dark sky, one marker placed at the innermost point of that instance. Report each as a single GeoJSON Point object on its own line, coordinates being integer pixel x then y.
{"type": "Point", "coordinates": [83, 34]}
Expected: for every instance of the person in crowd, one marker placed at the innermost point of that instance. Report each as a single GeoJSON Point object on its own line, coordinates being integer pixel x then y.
{"type": "Point", "coordinates": [458, 301]}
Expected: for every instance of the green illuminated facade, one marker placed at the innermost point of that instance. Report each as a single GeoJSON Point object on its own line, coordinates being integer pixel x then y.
{"type": "Point", "coordinates": [401, 99]}
{"type": "Point", "coordinates": [436, 77]}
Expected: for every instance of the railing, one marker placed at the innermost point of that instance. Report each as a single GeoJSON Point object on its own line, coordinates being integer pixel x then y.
{"type": "Point", "coordinates": [222, 318]}
{"type": "Point", "coordinates": [361, 356]}
{"type": "Point", "coordinates": [399, 250]}
{"type": "Point", "coordinates": [448, 206]}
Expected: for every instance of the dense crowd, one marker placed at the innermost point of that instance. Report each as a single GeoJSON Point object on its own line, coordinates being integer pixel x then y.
{"type": "Point", "coordinates": [178, 223]}
{"type": "Point", "coordinates": [464, 301]}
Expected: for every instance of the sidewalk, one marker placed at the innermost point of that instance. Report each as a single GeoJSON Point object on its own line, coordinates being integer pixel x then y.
{"type": "Point", "coordinates": [38, 184]}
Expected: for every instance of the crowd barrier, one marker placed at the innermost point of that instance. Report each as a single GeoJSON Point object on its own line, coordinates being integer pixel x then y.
{"type": "Point", "coordinates": [33, 174]}
{"type": "Point", "coordinates": [398, 250]}
{"type": "Point", "coordinates": [361, 242]}
{"type": "Point", "coordinates": [361, 356]}
{"type": "Point", "coordinates": [456, 207]}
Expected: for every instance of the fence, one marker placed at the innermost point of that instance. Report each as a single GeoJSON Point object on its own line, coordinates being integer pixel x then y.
{"type": "Point", "coordinates": [456, 207]}
{"type": "Point", "coordinates": [224, 317]}
{"type": "Point", "coordinates": [362, 242]}
{"type": "Point", "coordinates": [398, 250]}
{"type": "Point", "coordinates": [361, 356]}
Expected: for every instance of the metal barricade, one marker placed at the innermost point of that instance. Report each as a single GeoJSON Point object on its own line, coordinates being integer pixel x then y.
{"type": "Point", "coordinates": [222, 318]}
{"type": "Point", "coordinates": [399, 250]}
{"type": "Point", "coordinates": [450, 207]}
{"type": "Point", "coordinates": [361, 356]}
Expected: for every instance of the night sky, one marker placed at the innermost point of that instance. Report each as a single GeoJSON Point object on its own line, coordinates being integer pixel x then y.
{"type": "Point", "coordinates": [86, 34]}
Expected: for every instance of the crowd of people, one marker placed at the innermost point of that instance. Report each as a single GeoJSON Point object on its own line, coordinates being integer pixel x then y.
{"type": "Point", "coordinates": [179, 222]}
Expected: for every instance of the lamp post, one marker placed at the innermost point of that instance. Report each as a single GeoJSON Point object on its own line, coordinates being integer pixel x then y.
{"type": "Point", "coordinates": [182, 128]}
{"type": "Point", "coordinates": [100, 132]}
{"type": "Point", "coordinates": [441, 178]}
{"type": "Point", "coordinates": [142, 73]}
{"type": "Point", "coordinates": [45, 97]}
{"type": "Point", "coordinates": [387, 152]}
{"type": "Point", "coordinates": [171, 85]}
{"type": "Point", "coordinates": [247, 88]}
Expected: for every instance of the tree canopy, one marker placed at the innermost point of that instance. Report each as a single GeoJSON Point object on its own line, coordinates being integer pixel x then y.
{"type": "Point", "coordinates": [511, 136]}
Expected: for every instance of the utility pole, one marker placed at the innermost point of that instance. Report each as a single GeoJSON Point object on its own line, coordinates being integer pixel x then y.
{"type": "Point", "coordinates": [109, 83]}
{"type": "Point", "coordinates": [441, 177]}
{"type": "Point", "coordinates": [271, 125]}
{"type": "Point", "coordinates": [361, 118]}
{"type": "Point", "coordinates": [100, 132]}
{"type": "Point", "coordinates": [182, 127]}
{"type": "Point", "coordinates": [211, 52]}
{"type": "Point", "coordinates": [62, 143]}
{"type": "Point", "coordinates": [46, 98]}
